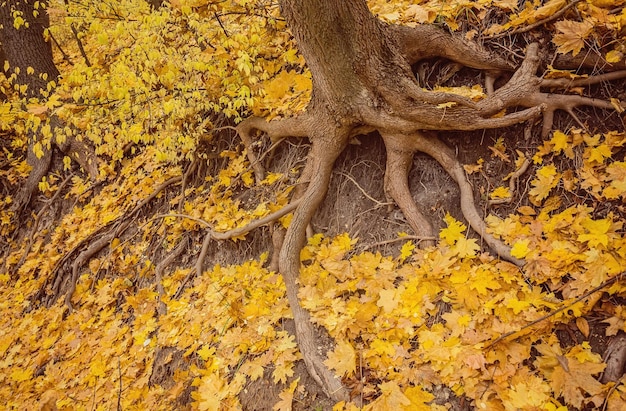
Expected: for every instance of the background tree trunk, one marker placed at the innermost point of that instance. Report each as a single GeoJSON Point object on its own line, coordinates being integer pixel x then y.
{"type": "Point", "coordinates": [29, 54]}
{"type": "Point", "coordinates": [26, 46]}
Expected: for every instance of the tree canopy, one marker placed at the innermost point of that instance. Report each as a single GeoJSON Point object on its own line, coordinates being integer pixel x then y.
{"type": "Point", "coordinates": [217, 205]}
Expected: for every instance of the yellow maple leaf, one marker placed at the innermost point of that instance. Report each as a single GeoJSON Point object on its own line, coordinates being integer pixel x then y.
{"type": "Point", "coordinates": [466, 247]}
{"type": "Point", "coordinates": [531, 393]}
{"type": "Point", "coordinates": [211, 391]}
{"type": "Point", "coordinates": [21, 374]}
{"type": "Point", "coordinates": [596, 232]}
{"type": "Point", "coordinates": [570, 374]}
{"type": "Point", "coordinates": [98, 367]}
{"type": "Point", "coordinates": [406, 250]}
{"type": "Point", "coordinates": [420, 399]}
{"type": "Point", "coordinates": [206, 352]}
{"type": "Point", "coordinates": [598, 154]}
{"type": "Point", "coordinates": [342, 359]}
{"type": "Point", "coordinates": [520, 248]}
{"type": "Point", "coordinates": [559, 141]}
{"type": "Point", "coordinates": [286, 397]}
{"type": "Point", "coordinates": [391, 398]}
{"type": "Point", "coordinates": [500, 192]}
{"type": "Point", "coordinates": [546, 179]}
{"type": "Point", "coordinates": [453, 232]}
{"type": "Point", "coordinates": [388, 300]}
{"type": "Point", "coordinates": [614, 56]}
{"type": "Point", "coordinates": [572, 35]}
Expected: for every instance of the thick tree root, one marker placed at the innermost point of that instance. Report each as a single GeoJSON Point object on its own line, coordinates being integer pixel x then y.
{"type": "Point", "coordinates": [431, 145]}
{"type": "Point", "coordinates": [399, 161]}
{"type": "Point", "coordinates": [324, 151]}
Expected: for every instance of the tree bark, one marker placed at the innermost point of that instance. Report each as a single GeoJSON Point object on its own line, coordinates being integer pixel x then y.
{"type": "Point", "coordinates": [26, 49]}
{"type": "Point", "coordinates": [23, 25]}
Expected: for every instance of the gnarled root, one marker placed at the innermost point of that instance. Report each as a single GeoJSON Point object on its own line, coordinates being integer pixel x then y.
{"type": "Point", "coordinates": [276, 130]}
{"type": "Point", "coordinates": [320, 162]}
{"type": "Point", "coordinates": [429, 144]}
{"type": "Point", "coordinates": [327, 144]}
{"type": "Point", "coordinates": [399, 161]}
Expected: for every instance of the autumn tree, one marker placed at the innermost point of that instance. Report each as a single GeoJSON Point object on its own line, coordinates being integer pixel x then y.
{"type": "Point", "coordinates": [28, 53]}
{"type": "Point", "coordinates": [362, 81]}
{"type": "Point", "coordinates": [198, 271]}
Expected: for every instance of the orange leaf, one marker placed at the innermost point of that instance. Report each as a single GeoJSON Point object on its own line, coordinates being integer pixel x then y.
{"type": "Point", "coordinates": [572, 35]}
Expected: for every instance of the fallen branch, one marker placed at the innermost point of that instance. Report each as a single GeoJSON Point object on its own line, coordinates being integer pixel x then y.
{"type": "Point", "coordinates": [555, 312]}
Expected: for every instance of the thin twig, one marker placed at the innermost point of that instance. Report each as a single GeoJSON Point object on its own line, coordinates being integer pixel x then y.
{"type": "Point", "coordinates": [418, 238]}
{"type": "Point", "coordinates": [553, 313]}
{"type": "Point", "coordinates": [535, 24]}
{"type": "Point", "coordinates": [361, 189]}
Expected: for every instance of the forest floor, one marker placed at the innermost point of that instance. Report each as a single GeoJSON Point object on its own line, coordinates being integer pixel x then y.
{"type": "Point", "coordinates": [356, 205]}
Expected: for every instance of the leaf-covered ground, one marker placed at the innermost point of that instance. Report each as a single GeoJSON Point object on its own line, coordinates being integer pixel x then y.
{"type": "Point", "coordinates": [120, 294]}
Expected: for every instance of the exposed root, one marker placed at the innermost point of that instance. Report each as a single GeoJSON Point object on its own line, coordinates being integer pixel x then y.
{"type": "Point", "coordinates": [276, 130]}
{"type": "Point", "coordinates": [399, 161]}
{"type": "Point", "coordinates": [278, 237]}
{"type": "Point", "coordinates": [425, 41]}
{"type": "Point", "coordinates": [160, 269]}
{"type": "Point", "coordinates": [324, 151]}
{"type": "Point", "coordinates": [83, 257]}
{"type": "Point", "coordinates": [431, 145]}
{"type": "Point", "coordinates": [105, 235]}
{"type": "Point", "coordinates": [400, 110]}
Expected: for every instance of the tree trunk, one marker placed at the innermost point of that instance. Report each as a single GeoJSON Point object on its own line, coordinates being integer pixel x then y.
{"type": "Point", "coordinates": [25, 47]}
{"type": "Point", "coordinates": [350, 55]}
{"type": "Point", "coordinates": [29, 54]}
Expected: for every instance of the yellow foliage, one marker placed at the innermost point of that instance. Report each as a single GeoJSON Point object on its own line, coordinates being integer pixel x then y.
{"type": "Point", "coordinates": [420, 319]}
